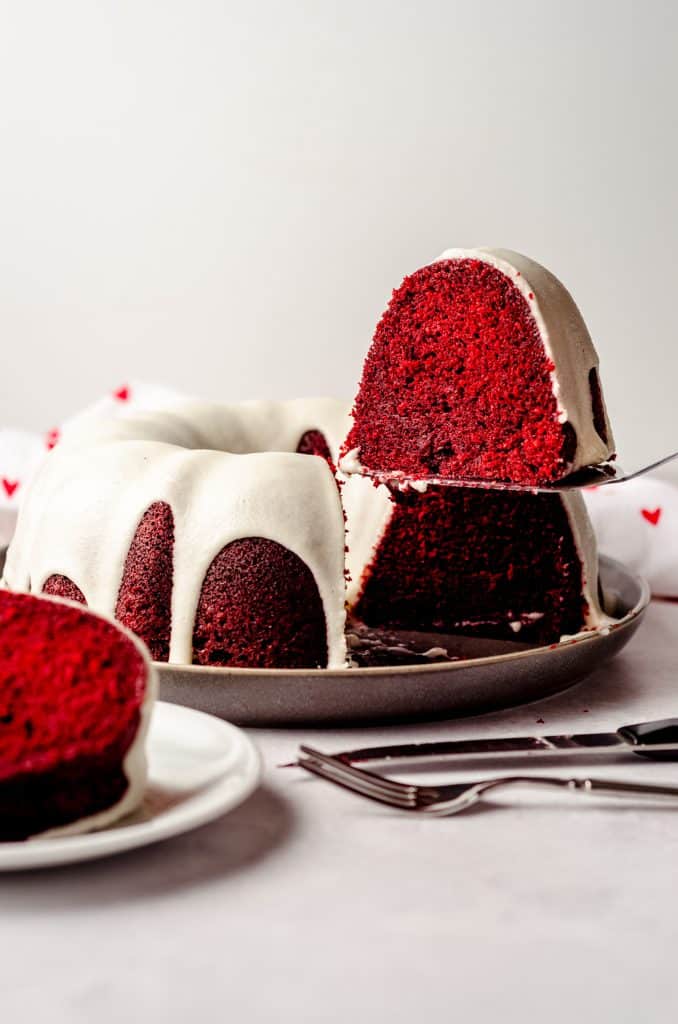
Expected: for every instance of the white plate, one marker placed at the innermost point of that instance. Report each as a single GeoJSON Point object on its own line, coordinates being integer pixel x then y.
{"type": "Point", "coordinates": [199, 768]}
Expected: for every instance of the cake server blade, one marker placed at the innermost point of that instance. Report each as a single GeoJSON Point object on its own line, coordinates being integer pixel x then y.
{"type": "Point", "coordinates": [657, 740]}
{"type": "Point", "coordinates": [592, 476]}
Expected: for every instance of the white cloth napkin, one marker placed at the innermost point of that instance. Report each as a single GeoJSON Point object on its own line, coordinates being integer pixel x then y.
{"type": "Point", "coordinates": [635, 522]}
{"type": "Point", "coordinates": [21, 452]}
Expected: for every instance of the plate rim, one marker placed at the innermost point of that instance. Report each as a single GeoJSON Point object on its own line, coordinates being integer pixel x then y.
{"type": "Point", "coordinates": [586, 636]}
{"type": "Point", "coordinates": [207, 804]}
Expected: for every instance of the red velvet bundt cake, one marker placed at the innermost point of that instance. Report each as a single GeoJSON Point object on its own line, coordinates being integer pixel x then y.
{"type": "Point", "coordinates": [204, 528]}
{"type": "Point", "coordinates": [238, 559]}
{"type": "Point", "coordinates": [75, 696]}
{"type": "Point", "coordinates": [481, 368]}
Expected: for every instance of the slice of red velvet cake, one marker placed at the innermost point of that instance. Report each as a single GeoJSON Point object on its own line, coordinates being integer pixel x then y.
{"type": "Point", "coordinates": [75, 696]}
{"type": "Point", "coordinates": [481, 368]}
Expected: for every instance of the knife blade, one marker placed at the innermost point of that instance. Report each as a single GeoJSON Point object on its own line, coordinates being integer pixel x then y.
{"type": "Point", "coordinates": [657, 740]}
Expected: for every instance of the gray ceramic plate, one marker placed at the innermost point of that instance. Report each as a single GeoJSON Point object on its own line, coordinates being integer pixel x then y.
{"type": "Point", "coordinates": [487, 675]}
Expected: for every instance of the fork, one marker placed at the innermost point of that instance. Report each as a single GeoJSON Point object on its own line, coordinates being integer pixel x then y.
{"type": "Point", "coordinates": [451, 799]}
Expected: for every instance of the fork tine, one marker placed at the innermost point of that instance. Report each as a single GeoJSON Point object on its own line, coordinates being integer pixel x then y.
{"type": "Point", "coordinates": [341, 767]}
{"type": "Point", "coordinates": [354, 786]}
{"type": "Point", "coordinates": [359, 782]}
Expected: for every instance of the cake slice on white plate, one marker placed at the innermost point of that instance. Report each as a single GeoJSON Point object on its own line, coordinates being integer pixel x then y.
{"type": "Point", "coordinates": [76, 691]}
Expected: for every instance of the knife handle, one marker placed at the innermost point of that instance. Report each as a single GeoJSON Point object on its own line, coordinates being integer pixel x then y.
{"type": "Point", "coordinates": [642, 738]}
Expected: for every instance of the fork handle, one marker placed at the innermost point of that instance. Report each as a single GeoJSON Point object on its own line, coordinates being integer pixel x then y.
{"type": "Point", "coordinates": [616, 787]}
{"type": "Point", "coordinates": [594, 787]}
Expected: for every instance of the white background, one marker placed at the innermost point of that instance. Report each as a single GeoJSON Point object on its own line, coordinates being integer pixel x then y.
{"type": "Point", "coordinates": [221, 196]}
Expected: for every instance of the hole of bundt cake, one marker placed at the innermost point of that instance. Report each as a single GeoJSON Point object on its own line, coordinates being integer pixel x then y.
{"type": "Point", "coordinates": [61, 586]}
{"type": "Point", "coordinates": [597, 406]}
{"type": "Point", "coordinates": [144, 602]}
{"type": "Point", "coordinates": [484, 406]}
{"type": "Point", "coordinates": [259, 608]}
{"type": "Point", "coordinates": [314, 442]}
{"type": "Point", "coordinates": [471, 561]}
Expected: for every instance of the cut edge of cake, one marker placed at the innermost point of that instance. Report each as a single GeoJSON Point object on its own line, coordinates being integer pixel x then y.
{"type": "Point", "coordinates": [135, 761]}
{"type": "Point", "coordinates": [374, 513]}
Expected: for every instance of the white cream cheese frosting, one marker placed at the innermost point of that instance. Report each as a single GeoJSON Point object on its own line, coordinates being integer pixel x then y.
{"type": "Point", "coordinates": [238, 428]}
{"type": "Point", "coordinates": [82, 510]}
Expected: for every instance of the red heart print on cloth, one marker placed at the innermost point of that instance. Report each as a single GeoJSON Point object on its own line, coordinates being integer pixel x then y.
{"type": "Point", "coordinates": [652, 515]}
{"type": "Point", "coordinates": [635, 524]}
{"type": "Point", "coordinates": [22, 451]}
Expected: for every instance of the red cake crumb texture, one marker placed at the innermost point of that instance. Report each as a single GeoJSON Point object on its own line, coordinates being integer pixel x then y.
{"type": "Point", "coordinates": [145, 598]}
{"type": "Point", "coordinates": [71, 690]}
{"type": "Point", "coordinates": [259, 607]}
{"type": "Point", "coordinates": [469, 560]}
{"type": "Point", "coordinates": [60, 586]}
{"type": "Point", "coordinates": [314, 442]}
{"type": "Point", "coordinates": [457, 383]}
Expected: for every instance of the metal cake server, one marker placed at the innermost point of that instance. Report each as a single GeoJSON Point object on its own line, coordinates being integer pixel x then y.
{"type": "Point", "coordinates": [656, 740]}
{"type": "Point", "coordinates": [592, 476]}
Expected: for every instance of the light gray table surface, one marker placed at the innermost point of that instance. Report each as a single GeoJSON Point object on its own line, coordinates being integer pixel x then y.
{"type": "Point", "coordinates": [310, 904]}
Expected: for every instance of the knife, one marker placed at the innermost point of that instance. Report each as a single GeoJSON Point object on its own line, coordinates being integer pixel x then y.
{"type": "Point", "coordinates": [657, 740]}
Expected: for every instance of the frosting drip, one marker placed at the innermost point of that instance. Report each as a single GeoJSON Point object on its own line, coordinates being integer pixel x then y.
{"type": "Point", "coordinates": [112, 471]}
